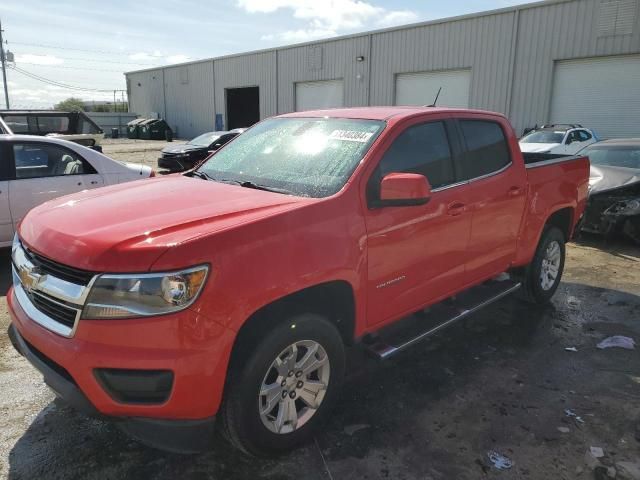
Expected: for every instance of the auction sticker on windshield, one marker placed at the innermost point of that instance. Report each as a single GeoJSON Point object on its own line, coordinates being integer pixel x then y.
{"type": "Point", "coordinates": [351, 136]}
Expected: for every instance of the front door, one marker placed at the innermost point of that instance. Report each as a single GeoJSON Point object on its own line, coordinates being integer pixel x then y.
{"type": "Point", "coordinates": [43, 171]}
{"type": "Point", "coordinates": [416, 254]}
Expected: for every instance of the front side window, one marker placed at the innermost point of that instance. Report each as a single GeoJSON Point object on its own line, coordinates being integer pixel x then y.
{"type": "Point", "coordinates": [584, 135]}
{"type": "Point", "coordinates": [422, 149]}
{"type": "Point", "coordinates": [309, 157]}
{"type": "Point", "coordinates": [573, 137]}
{"type": "Point", "coordinates": [37, 160]}
{"type": "Point", "coordinates": [487, 149]}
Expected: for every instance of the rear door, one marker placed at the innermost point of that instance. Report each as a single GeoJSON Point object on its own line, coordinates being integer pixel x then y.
{"type": "Point", "coordinates": [43, 171]}
{"type": "Point", "coordinates": [496, 196]}
{"type": "Point", "coordinates": [416, 253]}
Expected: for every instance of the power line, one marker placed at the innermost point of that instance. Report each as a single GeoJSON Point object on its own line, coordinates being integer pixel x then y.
{"type": "Point", "coordinates": [60, 84]}
{"type": "Point", "coordinates": [95, 60]}
{"type": "Point", "coordinates": [70, 68]}
{"type": "Point", "coordinates": [42, 45]}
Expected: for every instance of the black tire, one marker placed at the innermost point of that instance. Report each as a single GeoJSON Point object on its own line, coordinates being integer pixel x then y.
{"type": "Point", "coordinates": [240, 416]}
{"type": "Point", "coordinates": [532, 288]}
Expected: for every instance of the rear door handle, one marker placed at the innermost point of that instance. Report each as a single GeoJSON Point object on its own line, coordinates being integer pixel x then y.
{"type": "Point", "coordinates": [456, 208]}
{"type": "Point", "coordinates": [514, 191]}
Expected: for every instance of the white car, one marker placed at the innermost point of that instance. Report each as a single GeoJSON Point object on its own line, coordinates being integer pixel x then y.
{"type": "Point", "coordinates": [35, 169]}
{"type": "Point", "coordinates": [559, 139]}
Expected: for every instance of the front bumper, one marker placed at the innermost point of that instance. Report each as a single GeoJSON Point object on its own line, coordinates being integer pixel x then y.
{"type": "Point", "coordinates": [180, 436]}
{"type": "Point", "coordinates": [192, 347]}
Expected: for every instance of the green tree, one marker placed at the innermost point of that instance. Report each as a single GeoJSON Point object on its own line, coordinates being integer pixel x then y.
{"type": "Point", "coordinates": [71, 104]}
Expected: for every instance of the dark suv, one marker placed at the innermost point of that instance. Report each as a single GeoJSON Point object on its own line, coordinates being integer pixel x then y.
{"type": "Point", "coordinates": [185, 156]}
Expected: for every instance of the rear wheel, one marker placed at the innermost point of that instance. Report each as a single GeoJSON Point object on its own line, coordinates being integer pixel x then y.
{"type": "Point", "coordinates": [542, 276]}
{"type": "Point", "coordinates": [285, 390]}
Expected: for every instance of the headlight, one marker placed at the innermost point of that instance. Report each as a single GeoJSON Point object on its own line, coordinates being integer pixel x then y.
{"type": "Point", "coordinates": [624, 207]}
{"type": "Point", "coordinates": [15, 244]}
{"type": "Point", "coordinates": [143, 295]}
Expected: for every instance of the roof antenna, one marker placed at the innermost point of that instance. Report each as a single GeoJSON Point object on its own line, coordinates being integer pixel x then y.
{"type": "Point", "coordinates": [435, 100]}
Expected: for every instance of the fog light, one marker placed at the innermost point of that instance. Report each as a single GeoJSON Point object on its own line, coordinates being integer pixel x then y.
{"type": "Point", "coordinates": [136, 386]}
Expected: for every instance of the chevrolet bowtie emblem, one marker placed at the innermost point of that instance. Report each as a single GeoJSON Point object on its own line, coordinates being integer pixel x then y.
{"type": "Point", "coordinates": [29, 277]}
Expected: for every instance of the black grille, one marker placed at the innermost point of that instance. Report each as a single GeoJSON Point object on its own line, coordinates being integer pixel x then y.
{"type": "Point", "coordinates": [63, 272]}
{"type": "Point", "coordinates": [60, 313]}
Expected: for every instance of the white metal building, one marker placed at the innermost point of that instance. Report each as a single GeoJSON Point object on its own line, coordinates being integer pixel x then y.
{"type": "Point", "coordinates": [558, 61]}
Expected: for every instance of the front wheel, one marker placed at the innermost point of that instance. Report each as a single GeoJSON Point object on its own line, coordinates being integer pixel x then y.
{"type": "Point", "coordinates": [285, 390]}
{"type": "Point", "coordinates": [542, 276]}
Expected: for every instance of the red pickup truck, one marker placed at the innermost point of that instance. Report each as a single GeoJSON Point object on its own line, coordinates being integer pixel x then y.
{"type": "Point", "coordinates": [230, 293]}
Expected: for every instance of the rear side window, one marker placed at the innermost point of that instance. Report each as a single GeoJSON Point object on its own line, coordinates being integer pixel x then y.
{"type": "Point", "coordinates": [422, 149]}
{"type": "Point", "coordinates": [53, 124]}
{"type": "Point", "coordinates": [487, 149]}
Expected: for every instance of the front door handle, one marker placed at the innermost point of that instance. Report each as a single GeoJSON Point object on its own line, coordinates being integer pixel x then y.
{"type": "Point", "coordinates": [514, 191]}
{"type": "Point", "coordinates": [456, 208]}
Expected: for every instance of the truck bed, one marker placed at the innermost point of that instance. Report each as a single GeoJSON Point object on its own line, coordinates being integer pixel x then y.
{"type": "Point", "coordinates": [555, 182]}
{"type": "Point", "coordinates": [532, 157]}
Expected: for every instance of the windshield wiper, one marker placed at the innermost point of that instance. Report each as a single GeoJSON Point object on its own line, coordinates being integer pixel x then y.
{"type": "Point", "coordinates": [255, 186]}
{"type": "Point", "coordinates": [245, 184]}
{"type": "Point", "coordinates": [199, 174]}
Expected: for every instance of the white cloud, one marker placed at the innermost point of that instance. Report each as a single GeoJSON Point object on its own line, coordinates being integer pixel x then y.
{"type": "Point", "coordinates": [145, 56]}
{"type": "Point", "coordinates": [301, 35]}
{"type": "Point", "coordinates": [177, 58]}
{"type": "Point", "coordinates": [327, 18]}
{"type": "Point", "coordinates": [158, 57]}
{"type": "Point", "coordinates": [398, 17]}
{"type": "Point", "coordinates": [38, 59]}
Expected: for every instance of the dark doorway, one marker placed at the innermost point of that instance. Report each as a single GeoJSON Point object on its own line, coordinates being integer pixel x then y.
{"type": "Point", "coordinates": [243, 107]}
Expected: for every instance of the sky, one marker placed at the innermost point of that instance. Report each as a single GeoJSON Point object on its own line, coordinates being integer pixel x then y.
{"type": "Point", "coordinates": [82, 48]}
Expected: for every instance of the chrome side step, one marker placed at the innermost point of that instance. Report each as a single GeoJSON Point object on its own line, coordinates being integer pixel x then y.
{"type": "Point", "coordinates": [421, 325]}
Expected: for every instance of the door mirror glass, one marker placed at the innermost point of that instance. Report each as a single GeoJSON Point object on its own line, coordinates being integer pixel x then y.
{"type": "Point", "coordinates": [404, 189]}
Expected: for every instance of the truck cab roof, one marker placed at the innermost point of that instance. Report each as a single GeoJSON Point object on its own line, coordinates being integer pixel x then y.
{"type": "Point", "coordinates": [383, 113]}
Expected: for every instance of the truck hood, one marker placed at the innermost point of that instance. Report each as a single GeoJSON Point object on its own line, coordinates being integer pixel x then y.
{"type": "Point", "coordinates": [537, 147]}
{"type": "Point", "coordinates": [127, 227]}
{"type": "Point", "coordinates": [604, 178]}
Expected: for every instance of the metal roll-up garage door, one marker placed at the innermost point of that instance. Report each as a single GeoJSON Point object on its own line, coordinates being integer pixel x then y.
{"type": "Point", "coordinates": [421, 88]}
{"type": "Point", "coordinates": [318, 95]}
{"type": "Point", "coordinates": [599, 93]}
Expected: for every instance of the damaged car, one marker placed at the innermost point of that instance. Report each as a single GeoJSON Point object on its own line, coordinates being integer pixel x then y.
{"type": "Point", "coordinates": [614, 188]}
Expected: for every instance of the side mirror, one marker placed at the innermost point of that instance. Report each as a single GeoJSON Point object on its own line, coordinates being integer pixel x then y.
{"type": "Point", "coordinates": [569, 141]}
{"type": "Point", "coordinates": [403, 189]}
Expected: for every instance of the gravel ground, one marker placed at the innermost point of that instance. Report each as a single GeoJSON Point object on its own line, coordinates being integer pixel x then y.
{"type": "Point", "coordinates": [500, 381]}
{"type": "Point", "coordinates": [136, 151]}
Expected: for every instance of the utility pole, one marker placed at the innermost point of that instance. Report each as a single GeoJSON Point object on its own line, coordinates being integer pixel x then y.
{"type": "Point", "coordinates": [4, 68]}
